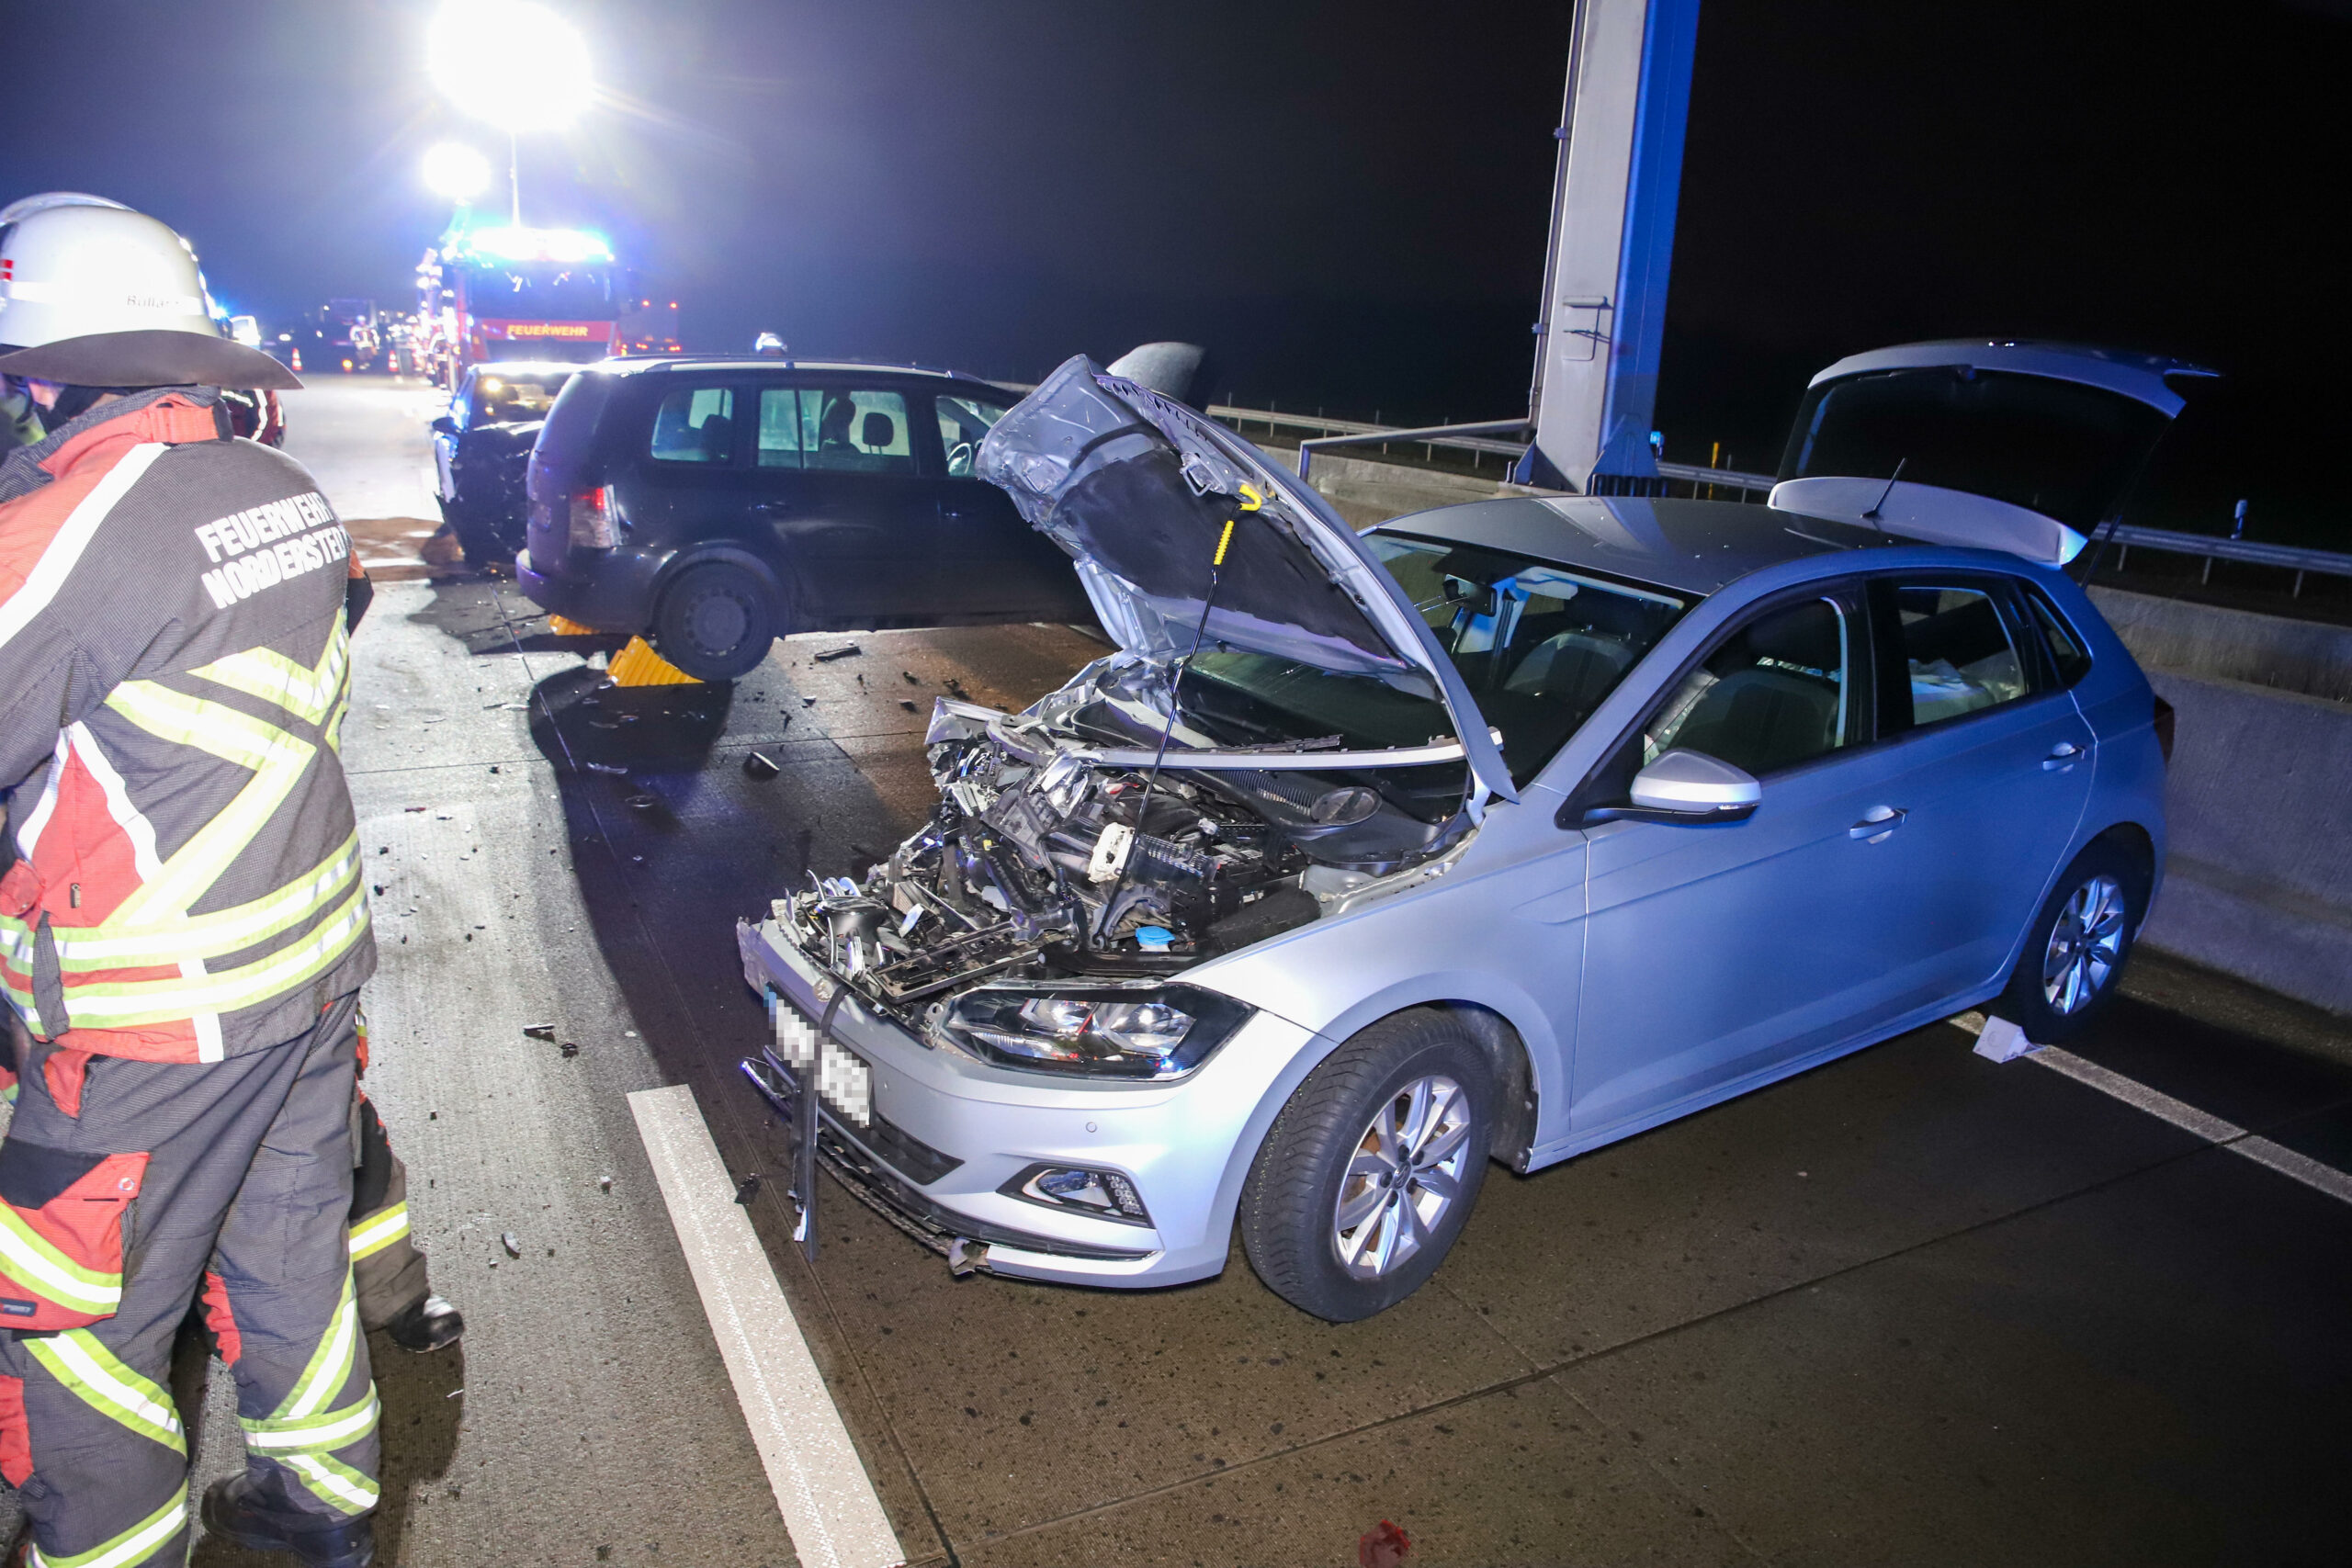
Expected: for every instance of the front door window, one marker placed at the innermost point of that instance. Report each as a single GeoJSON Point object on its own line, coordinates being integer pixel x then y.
{"type": "Point", "coordinates": [962, 423]}
{"type": "Point", "coordinates": [1778, 693]}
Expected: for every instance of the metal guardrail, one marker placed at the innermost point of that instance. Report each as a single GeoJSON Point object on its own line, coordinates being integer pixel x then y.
{"type": "Point", "coordinates": [2285, 557]}
{"type": "Point", "coordinates": [1478, 438]}
{"type": "Point", "coordinates": [1471, 437]}
{"type": "Point", "coordinates": [1426, 435]}
{"type": "Point", "coordinates": [1722, 478]}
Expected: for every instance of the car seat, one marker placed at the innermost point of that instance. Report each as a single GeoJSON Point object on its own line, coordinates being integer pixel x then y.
{"type": "Point", "coordinates": [717, 436]}
{"type": "Point", "coordinates": [1781, 705]}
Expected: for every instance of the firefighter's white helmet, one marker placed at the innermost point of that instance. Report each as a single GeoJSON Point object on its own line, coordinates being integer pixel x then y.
{"type": "Point", "coordinates": [100, 295]}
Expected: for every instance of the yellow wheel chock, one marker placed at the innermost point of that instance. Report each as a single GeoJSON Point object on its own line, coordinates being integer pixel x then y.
{"type": "Point", "coordinates": [638, 665]}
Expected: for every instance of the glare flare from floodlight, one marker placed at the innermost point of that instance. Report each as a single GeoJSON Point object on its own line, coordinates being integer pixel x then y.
{"type": "Point", "coordinates": [513, 63]}
{"type": "Point", "coordinates": [456, 171]}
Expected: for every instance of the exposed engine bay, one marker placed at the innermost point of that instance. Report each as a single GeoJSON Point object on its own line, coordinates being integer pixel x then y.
{"type": "Point", "coordinates": [1279, 735]}
{"type": "Point", "coordinates": [1044, 863]}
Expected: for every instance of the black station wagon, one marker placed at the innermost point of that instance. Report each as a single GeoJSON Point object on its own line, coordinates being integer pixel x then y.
{"type": "Point", "coordinates": [714, 504]}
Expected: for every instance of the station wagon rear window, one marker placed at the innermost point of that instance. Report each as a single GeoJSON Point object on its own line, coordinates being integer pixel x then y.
{"type": "Point", "coordinates": [696, 424]}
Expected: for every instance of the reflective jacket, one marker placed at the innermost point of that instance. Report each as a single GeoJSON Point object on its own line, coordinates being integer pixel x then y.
{"type": "Point", "coordinates": [173, 678]}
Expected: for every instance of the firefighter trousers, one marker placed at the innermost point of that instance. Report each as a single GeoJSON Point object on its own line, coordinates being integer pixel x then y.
{"type": "Point", "coordinates": [386, 1267]}
{"type": "Point", "coordinates": [127, 1187]}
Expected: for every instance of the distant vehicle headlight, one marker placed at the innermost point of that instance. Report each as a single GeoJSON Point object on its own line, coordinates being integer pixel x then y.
{"type": "Point", "coordinates": [1158, 1031]}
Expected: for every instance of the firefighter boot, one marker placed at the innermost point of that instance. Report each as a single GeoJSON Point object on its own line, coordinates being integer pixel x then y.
{"type": "Point", "coordinates": [427, 1324]}
{"type": "Point", "coordinates": [240, 1513]}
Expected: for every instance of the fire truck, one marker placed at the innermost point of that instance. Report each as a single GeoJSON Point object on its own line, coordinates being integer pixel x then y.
{"type": "Point", "coordinates": [502, 292]}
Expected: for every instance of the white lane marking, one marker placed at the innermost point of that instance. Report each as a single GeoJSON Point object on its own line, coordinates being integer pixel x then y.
{"type": "Point", "coordinates": [2132, 1092]}
{"type": "Point", "coordinates": [2222, 1134]}
{"type": "Point", "coordinates": [827, 1500]}
{"type": "Point", "coordinates": [2303, 1167]}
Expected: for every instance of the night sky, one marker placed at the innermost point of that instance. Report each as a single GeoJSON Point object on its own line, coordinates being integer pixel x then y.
{"type": "Point", "coordinates": [1347, 204]}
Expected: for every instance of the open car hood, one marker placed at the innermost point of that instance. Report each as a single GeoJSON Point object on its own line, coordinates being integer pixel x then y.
{"type": "Point", "coordinates": [1138, 489]}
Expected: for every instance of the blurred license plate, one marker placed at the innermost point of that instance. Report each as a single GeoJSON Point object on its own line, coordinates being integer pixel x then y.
{"type": "Point", "coordinates": [843, 1080]}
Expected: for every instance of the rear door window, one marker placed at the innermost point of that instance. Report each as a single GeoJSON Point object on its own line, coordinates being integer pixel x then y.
{"type": "Point", "coordinates": [1952, 653]}
{"type": "Point", "coordinates": [696, 424]}
{"type": "Point", "coordinates": [855, 431]}
{"type": "Point", "coordinates": [1778, 693]}
{"type": "Point", "coordinates": [779, 445]}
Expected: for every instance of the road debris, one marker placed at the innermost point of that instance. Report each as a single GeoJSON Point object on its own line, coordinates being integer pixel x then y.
{"type": "Point", "coordinates": [912, 678]}
{"type": "Point", "coordinates": [1383, 1547]}
{"type": "Point", "coordinates": [642, 802]}
{"type": "Point", "coordinates": [907, 705]}
{"type": "Point", "coordinates": [848, 650]}
{"type": "Point", "coordinates": [540, 1031]}
{"type": "Point", "coordinates": [760, 766]}
{"type": "Point", "coordinates": [610, 770]}
{"type": "Point", "coordinates": [570, 1048]}
{"type": "Point", "coordinates": [749, 1188]}
{"type": "Point", "coordinates": [807, 702]}
{"type": "Point", "coordinates": [604, 1184]}
{"type": "Point", "coordinates": [513, 1248]}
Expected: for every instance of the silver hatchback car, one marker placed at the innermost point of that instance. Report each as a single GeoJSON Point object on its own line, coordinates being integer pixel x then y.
{"type": "Point", "coordinates": [1499, 832]}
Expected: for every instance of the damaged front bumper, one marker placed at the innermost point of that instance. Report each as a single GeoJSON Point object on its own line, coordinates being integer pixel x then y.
{"type": "Point", "coordinates": [948, 1140]}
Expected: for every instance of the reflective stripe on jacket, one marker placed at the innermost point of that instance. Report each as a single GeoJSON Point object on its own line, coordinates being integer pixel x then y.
{"type": "Point", "coordinates": [173, 672]}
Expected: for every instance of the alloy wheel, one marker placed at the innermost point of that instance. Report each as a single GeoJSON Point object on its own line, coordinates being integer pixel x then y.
{"type": "Point", "coordinates": [1405, 1174]}
{"type": "Point", "coordinates": [2086, 944]}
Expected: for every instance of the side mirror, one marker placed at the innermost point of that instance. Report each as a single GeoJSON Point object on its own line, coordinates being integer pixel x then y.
{"type": "Point", "coordinates": [445, 425]}
{"type": "Point", "coordinates": [1687, 789]}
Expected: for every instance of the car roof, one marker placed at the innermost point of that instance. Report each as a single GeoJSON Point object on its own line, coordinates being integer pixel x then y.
{"type": "Point", "coordinates": [637, 365]}
{"type": "Point", "coordinates": [2137, 376]}
{"type": "Point", "coordinates": [1690, 547]}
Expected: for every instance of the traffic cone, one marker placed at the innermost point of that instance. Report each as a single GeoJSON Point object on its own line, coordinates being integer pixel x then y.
{"type": "Point", "coordinates": [638, 665]}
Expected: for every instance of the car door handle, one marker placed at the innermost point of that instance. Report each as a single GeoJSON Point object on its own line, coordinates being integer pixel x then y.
{"type": "Point", "coordinates": [2063, 755]}
{"type": "Point", "coordinates": [1877, 823]}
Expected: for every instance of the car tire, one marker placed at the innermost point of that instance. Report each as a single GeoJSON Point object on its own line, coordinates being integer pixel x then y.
{"type": "Point", "coordinates": [2072, 963]}
{"type": "Point", "coordinates": [715, 622]}
{"type": "Point", "coordinates": [1307, 1179]}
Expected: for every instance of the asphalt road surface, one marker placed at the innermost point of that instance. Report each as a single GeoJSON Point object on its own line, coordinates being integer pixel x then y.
{"type": "Point", "coordinates": [367, 440]}
{"type": "Point", "coordinates": [1912, 1307]}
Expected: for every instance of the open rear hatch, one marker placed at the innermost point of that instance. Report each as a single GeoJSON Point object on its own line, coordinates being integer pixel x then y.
{"type": "Point", "coordinates": [2022, 447]}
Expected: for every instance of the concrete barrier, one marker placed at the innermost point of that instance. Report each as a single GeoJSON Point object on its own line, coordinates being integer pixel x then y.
{"type": "Point", "coordinates": [1365, 490]}
{"type": "Point", "coordinates": [2259, 877]}
{"type": "Point", "coordinates": [2306, 656]}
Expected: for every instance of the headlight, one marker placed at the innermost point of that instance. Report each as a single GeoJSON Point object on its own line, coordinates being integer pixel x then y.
{"type": "Point", "coordinates": [1159, 1032]}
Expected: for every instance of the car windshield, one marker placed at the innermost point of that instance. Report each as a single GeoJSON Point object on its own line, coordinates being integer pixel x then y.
{"type": "Point", "coordinates": [1538, 645]}
{"type": "Point", "coordinates": [2066, 450]}
{"type": "Point", "coordinates": [501, 399]}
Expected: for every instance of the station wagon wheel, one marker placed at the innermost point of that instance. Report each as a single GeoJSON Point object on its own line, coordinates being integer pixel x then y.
{"type": "Point", "coordinates": [1372, 1168]}
{"type": "Point", "coordinates": [715, 622]}
{"type": "Point", "coordinates": [2075, 953]}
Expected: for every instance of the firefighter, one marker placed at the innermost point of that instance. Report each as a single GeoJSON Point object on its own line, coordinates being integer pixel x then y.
{"type": "Point", "coordinates": [183, 929]}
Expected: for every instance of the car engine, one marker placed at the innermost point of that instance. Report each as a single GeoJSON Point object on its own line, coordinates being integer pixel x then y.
{"type": "Point", "coordinates": [1040, 863]}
